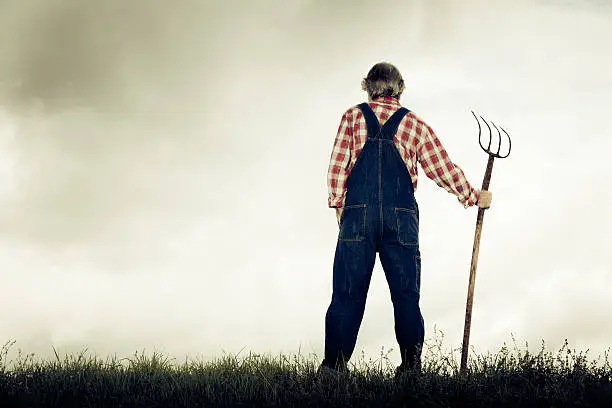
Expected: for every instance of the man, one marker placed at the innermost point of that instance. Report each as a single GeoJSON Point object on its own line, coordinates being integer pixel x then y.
{"type": "Point", "coordinates": [372, 177]}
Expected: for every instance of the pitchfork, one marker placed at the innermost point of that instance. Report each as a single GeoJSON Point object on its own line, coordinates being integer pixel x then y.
{"type": "Point", "coordinates": [485, 186]}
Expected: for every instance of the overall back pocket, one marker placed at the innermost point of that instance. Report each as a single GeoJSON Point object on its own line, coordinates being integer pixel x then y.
{"type": "Point", "coordinates": [407, 226]}
{"type": "Point", "coordinates": [353, 223]}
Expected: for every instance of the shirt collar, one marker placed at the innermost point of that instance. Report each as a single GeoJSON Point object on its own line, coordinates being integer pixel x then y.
{"type": "Point", "coordinates": [387, 100]}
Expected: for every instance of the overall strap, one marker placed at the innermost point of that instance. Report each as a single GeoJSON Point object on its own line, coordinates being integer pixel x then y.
{"type": "Point", "coordinates": [370, 118]}
{"type": "Point", "coordinates": [390, 126]}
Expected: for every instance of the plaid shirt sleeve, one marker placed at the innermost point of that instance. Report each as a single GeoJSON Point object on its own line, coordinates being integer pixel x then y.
{"type": "Point", "coordinates": [438, 167]}
{"type": "Point", "coordinates": [338, 170]}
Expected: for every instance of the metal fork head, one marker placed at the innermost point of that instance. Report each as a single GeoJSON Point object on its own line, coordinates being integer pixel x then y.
{"type": "Point", "coordinates": [488, 148]}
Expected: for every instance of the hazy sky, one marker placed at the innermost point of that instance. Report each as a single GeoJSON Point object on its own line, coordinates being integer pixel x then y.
{"type": "Point", "coordinates": [164, 170]}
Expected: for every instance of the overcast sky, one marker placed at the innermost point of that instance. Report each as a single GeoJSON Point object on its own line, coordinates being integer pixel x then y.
{"type": "Point", "coordinates": [164, 170]}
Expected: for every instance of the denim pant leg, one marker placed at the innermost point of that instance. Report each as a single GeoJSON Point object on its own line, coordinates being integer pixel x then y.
{"type": "Point", "coordinates": [402, 266]}
{"type": "Point", "coordinates": [353, 265]}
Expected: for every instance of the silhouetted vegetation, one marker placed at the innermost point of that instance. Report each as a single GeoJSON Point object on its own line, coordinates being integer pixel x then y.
{"type": "Point", "coordinates": [512, 377]}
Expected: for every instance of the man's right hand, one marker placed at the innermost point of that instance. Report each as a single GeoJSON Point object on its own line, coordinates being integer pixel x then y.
{"type": "Point", "coordinates": [484, 199]}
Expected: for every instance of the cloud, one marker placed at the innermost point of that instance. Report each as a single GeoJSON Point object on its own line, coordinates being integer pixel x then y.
{"type": "Point", "coordinates": [111, 105]}
{"type": "Point", "coordinates": [161, 158]}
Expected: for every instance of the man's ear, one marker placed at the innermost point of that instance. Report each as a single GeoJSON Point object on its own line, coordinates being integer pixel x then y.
{"type": "Point", "coordinates": [363, 85]}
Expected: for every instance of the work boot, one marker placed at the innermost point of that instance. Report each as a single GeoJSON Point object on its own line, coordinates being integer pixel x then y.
{"type": "Point", "coordinates": [326, 372]}
{"type": "Point", "coordinates": [408, 368]}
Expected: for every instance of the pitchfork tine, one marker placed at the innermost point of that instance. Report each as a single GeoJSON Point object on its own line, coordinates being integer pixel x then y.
{"type": "Point", "coordinates": [490, 134]}
{"type": "Point", "coordinates": [479, 131]}
{"type": "Point", "coordinates": [499, 136]}
{"type": "Point", "coordinates": [477, 121]}
{"type": "Point", "coordinates": [509, 144]}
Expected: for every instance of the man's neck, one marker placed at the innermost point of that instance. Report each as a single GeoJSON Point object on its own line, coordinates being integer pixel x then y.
{"type": "Point", "coordinates": [385, 99]}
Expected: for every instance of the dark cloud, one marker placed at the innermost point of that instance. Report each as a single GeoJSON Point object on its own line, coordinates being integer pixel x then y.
{"type": "Point", "coordinates": [105, 55]}
{"type": "Point", "coordinates": [115, 103]}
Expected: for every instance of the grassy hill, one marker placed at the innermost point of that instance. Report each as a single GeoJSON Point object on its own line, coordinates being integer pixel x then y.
{"type": "Point", "coordinates": [512, 377]}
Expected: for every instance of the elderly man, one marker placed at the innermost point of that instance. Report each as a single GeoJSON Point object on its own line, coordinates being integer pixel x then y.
{"type": "Point", "coordinates": [372, 177]}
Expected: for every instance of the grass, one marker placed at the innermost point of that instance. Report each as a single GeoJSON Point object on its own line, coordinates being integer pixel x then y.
{"type": "Point", "coordinates": [512, 377]}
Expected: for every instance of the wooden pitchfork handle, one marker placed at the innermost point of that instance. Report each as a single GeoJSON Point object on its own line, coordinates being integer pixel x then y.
{"type": "Point", "coordinates": [475, 249]}
{"type": "Point", "coordinates": [479, 219]}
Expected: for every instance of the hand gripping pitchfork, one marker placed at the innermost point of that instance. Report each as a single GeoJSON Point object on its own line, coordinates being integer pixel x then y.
{"type": "Point", "coordinates": [485, 186]}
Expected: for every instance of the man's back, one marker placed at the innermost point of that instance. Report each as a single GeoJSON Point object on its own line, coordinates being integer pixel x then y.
{"type": "Point", "coordinates": [415, 142]}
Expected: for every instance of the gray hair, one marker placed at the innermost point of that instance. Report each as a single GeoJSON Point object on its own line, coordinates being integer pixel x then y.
{"type": "Point", "coordinates": [384, 79]}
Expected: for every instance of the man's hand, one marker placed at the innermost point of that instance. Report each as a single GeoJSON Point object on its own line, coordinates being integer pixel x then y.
{"type": "Point", "coordinates": [338, 214]}
{"type": "Point", "coordinates": [484, 199]}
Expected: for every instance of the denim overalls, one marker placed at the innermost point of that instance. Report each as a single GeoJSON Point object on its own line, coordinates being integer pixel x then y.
{"type": "Point", "coordinates": [380, 215]}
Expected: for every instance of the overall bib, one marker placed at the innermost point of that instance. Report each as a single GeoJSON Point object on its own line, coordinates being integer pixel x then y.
{"type": "Point", "coordinates": [380, 215]}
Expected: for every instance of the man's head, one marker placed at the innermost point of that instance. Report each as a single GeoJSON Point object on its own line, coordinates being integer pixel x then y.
{"type": "Point", "coordinates": [384, 79]}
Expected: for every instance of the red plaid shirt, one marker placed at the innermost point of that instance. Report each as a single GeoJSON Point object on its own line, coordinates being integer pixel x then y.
{"type": "Point", "coordinates": [415, 141]}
